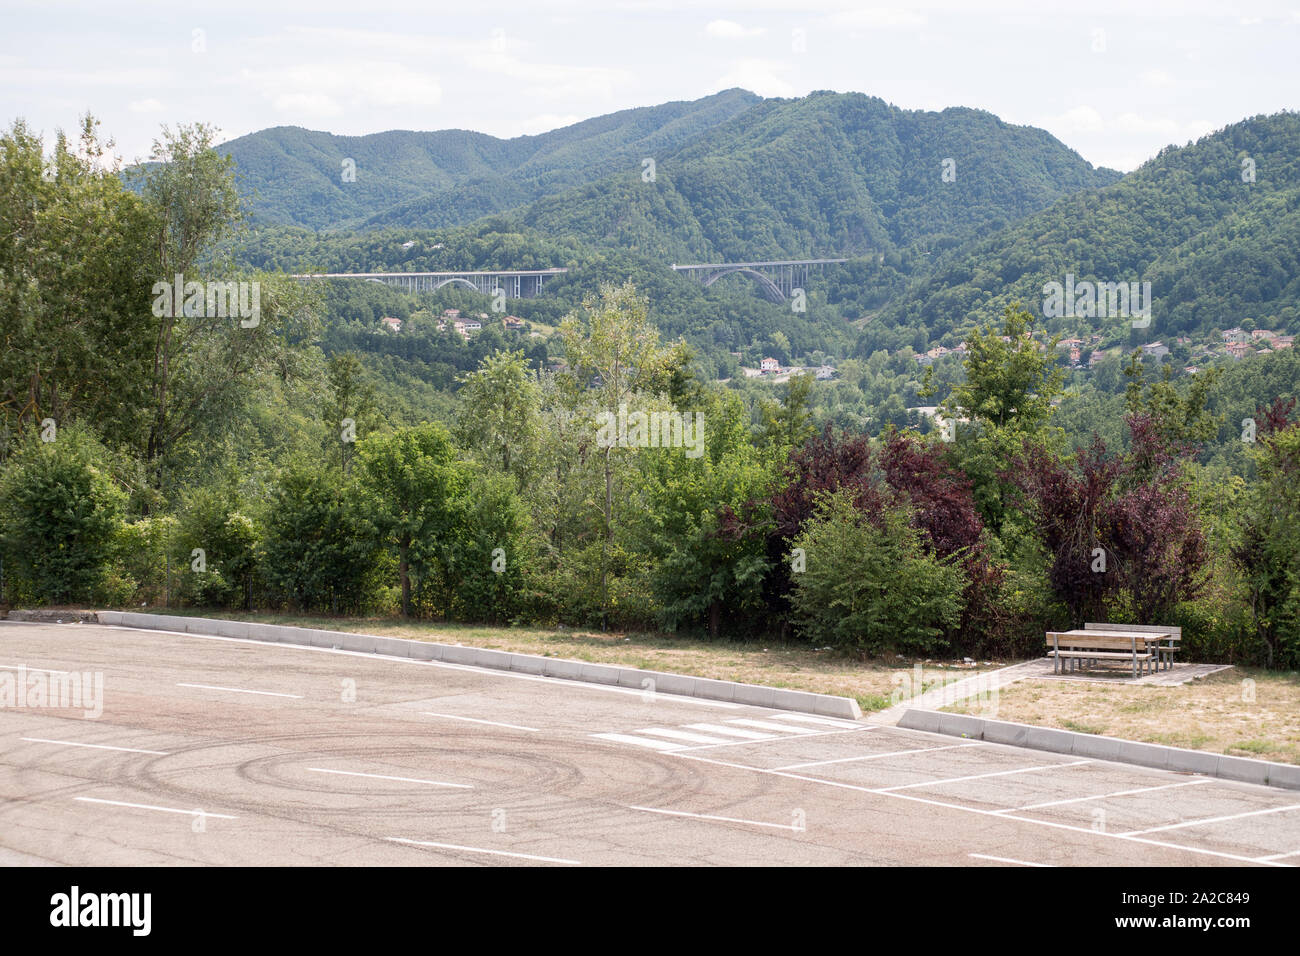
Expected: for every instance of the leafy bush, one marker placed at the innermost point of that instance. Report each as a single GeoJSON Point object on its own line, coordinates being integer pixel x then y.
{"type": "Point", "coordinates": [320, 551]}
{"type": "Point", "coordinates": [871, 586]}
{"type": "Point", "coordinates": [216, 549]}
{"type": "Point", "coordinates": [62, 511]}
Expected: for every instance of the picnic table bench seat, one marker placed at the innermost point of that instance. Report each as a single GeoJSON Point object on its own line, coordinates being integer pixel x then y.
{"type": "Point", "coordinates": [1167, 648]}
{"type": "Point", "coordinates": [1140, 648]}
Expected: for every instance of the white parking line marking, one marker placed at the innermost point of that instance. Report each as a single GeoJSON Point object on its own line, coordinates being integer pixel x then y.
{"type": "Point", "coordinates": [709, 816]}
{"type": "Point", "coordinates": [822, 721]}
{"type": "Point", "coordinates": [988, 813]}
{"type": "Point", "coordinates": [732, 731]}
{"type": "Point", "coordinates": [475, 720]}
{"type": "Point", "coordinates": [681, 735]}
{"type": "Point", "coordinates": [770, 737]}
{"type": "Point", "coordinates": [1006, 859]}
{"type": "Point", "coordinates": [27, 667]}
{"type": "Point", "coordinates": [890, 753]}
{"type": "Point", "coordinates": [73, 743]}
{"type": "Point", "coordinates": [240, 690]}
{"type": "Point", "coordinates": [380, 776]}
{"type": "Point", "coordinates": [145, 806]}
{"type": "Point", "coordinates": [981, 776]}
{"type": "Point", "coordinates": [1197, 823]}
{"type": "Point", "coordinates": [639, 741]}
{"type": "Point", "coordinates": [475, 849]}
{"type": "Point", "coordinates": [1102, 796]}
{"type": "Point", "coordinates": [1277, 856]}
{"type": "Point", "coordinates": [772, 725]}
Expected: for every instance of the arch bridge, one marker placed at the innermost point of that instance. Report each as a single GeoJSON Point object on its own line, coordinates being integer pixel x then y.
{"type": "Point", "coordinates": [516, 284]}
{"type": "Point", "coordinates": [777, 279]}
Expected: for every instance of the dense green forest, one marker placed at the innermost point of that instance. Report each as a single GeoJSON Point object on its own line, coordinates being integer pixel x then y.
{"type": "Point", "coordinates": [730, 177]}
{"type": "Point", "coordinates": [256, 441]}
{"type": "Point", "coordinates": [1213, 226]}
{"type": "Point", "coordinates": [453, 176]}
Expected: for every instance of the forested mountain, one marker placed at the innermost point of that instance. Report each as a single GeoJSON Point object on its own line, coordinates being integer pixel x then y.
{"type": "Point", "coordinates": [296, 176]}
{"type": "Point", "coordinates": [1213, 226]}
{"type": "Point", "coordinates": [827, 175]}
{"type": "Point", "coordinates": [733, 176]}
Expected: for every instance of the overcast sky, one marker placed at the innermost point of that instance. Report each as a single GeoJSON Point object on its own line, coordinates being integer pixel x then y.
{"type": "Point", "coordinates": [1115, 80]}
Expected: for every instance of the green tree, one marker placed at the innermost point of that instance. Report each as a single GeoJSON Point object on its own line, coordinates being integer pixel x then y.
{"type": "Point", "coordinates": [1010, 381]}
{"type": "Point", "coordinates": [1180, 415]}
{"type": "Point", "coordinates": [320, 552]}
{"type": "Point", "coordinates": [789, 424]}
{"type": "Point", "coordinates": [613, 348]}
{"type": "Point", "coordinates": [61, 515]}
{"type": "Point", "coordinates": [203, 357]}
{"type": "Point", "coordinates": [1007, 399]}
{"type": "Point", "coordinates": [1269, 551]}
{"type": "Point", "coordinates": [698, 576]}
{"type": "Point", "coordinates": [349, 409]}
{"type": "Point", "coordinates": [499, 412]}
{"type": "Point", "coordinates": [216, 547]}
{"type": "Point", "coordinates": [75, 263]}
{"type": "Point", "coordinates": [410, 479]}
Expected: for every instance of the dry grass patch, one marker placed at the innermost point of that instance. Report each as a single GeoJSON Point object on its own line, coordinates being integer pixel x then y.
{"type": "Point", "coordinates": [1223, 712]}
{"type": "Point", "coordinates": [796, 667]}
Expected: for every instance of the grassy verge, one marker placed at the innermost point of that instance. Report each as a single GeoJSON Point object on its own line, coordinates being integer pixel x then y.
{"type": "Point", "coordinates": [1222, 713]}
{"type": "Point", "coordinates": [797, 667]}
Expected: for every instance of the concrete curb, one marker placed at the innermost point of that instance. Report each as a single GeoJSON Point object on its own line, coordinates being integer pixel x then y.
{"type": "Point", "coordinates": [824, 705]}
{"type": "Point", "coordinates": [47, 616]}
{"type": "Point", "coordinates": [1244, 769]}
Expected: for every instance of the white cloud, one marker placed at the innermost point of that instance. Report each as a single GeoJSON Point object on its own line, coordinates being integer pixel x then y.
{"type": "Point", "coordinates": [731, 30]}
{"type": "Point", "coordinates": [1157, 78]}
{"type": "Point", "coordinates": [307, 104]}
{"type": "Point", "coordinates": [878, 18]}
{"type": "Point", "coordinates": [1166, 127]}
{"type": "Point", "coordinates": [549, 81]}
{"type": "Point", "coordinates": [763, 77]}
{"type": "Point", "coordinates": [150, 105]}
{"type": "Point", "coordinates": [328, 89]}
{"type": "Point", "coordinates": [1081, 119]}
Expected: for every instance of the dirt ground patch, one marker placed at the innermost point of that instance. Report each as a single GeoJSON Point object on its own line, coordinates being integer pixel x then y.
{"type": "Point", "coordinates": [871, 682]}
{"type": "Point", "coordinates": [1243, 712]}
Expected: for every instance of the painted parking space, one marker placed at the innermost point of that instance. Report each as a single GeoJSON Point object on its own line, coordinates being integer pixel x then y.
{"type": "Point", "coordinates": [353, 759]}
{"type": "Point", "coordinates": [1200, 815]}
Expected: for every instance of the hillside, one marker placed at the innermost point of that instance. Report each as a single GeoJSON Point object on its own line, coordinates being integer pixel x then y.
{"type": "Point", "coordinates": [1217, 249]}
{"type": "Point", "coordinates": [735, 176]}
{"type": "Point", "coordinates": [826, 174]}
{"type": "Point", "coordinates": [295, 176]}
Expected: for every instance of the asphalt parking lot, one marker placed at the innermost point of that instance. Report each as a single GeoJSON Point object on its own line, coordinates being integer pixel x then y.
{"type": "Point", "coordinates": [214, 751]}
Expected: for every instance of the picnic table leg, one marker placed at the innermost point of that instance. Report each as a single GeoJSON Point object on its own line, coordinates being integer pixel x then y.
{"type": "Point", "coordinates": [1135, 658]}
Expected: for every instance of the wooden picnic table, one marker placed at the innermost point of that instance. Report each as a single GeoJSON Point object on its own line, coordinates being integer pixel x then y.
{"type": "Point", "coordinates": [1092, 643]}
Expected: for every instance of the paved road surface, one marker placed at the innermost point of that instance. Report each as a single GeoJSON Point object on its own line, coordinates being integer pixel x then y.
{"type": "Point", "coordinates": [218, 751]}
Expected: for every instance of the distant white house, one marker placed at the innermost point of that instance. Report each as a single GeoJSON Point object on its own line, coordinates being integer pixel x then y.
{"type": "Point", "coordinates": [391, 323]}
{"type": "Point", "coordinates": [769, 365]}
